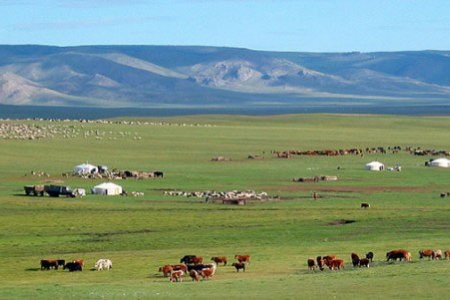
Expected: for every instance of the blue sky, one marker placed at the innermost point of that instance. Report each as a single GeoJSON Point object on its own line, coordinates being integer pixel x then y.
{"type": "Point", "coordinates": [283, 25]}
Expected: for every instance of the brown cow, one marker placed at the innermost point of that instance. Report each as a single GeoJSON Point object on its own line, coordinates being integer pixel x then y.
{"type": "Point", "coordinates": [427, 253]}
{"type": "Point", "coordinates": [219, 259]}
{"type": "Point", "coordinates": [166, 270]}
{"type": "Point", "coordinates": [447, 254]}
{"type": "Point", "coordinates": [336, 264]}
{"type": "Point", "coordinates": [197, 260]}
{"type": "Point", "coordinates": [242, 258]}
{"type": "Point", "coordinates": [207, 273]}
{"type": "Point", "coordinates": [311, 264]}
{"type": "Point", "coordinates": [79, 261]}
{"type": "Point", "coordinates": [364, 262]}
{"type": "Point", "coordinates": [47, 264]}
{"type": "Point", "coordinates": [194, 275]}
{"type": "Point", "coordinates": [238, 266]}
{"type": "Point", "coordinates": [176, 276]}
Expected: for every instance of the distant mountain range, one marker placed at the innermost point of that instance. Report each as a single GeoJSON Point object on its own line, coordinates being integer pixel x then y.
{"type": "Point", "coordinates": [179, 76]}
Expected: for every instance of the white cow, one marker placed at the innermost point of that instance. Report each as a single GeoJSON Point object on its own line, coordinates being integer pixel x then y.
{"type": "Point", "coordinates": [103, 264]}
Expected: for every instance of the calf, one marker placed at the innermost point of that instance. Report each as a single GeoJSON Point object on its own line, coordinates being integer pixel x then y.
{"type": "Point", "coordinates": [370, 256]}
{"type": "Point", "coordinates": [176, 276]}
{"type": "Point", "coordinates": [219, 259]}
{"type": "Point", "coordinates": [242, 258]}
{"type": "Point", "coordinates": [355, 259]}
{"type": "Point", "coordinates": [311, 264]}
{"type": "Point", "coordinates": [239, 266]}
{"type": "Point", "coordinates": [364, 262]}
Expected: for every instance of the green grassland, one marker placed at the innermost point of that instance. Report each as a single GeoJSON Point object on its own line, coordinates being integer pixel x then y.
{"type": "Point", "coordinates": [139, 234]}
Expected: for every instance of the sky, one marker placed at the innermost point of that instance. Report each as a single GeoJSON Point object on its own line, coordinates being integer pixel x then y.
{"type": "Point", "coordinates": [275, 25]}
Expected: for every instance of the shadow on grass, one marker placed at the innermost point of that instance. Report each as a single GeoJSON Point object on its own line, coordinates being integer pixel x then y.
{"type": "Point", "coordinates": [33, 269]}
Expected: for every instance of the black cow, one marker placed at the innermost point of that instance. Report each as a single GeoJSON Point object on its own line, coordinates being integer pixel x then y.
{"type": "Point", "coordinates": [187, 259]}
{"type": "Point", "coordinates": [369, 256]}
{"type": "Point", "coordinates": [158, 174]}
{"type": "Point", "coordinates": [73, 266]}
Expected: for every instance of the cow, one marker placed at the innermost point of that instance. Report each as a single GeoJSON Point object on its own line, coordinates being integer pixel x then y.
{"type": "Point", "coordinates": [219, 259]}
{"type": "Point", "coordinates": [199, 267]}
{"type": "Point", "coordinates": [320, 262]}
{"type": "Point", "coordinates": [398, 254]}
{"type": "Point", "coordinates": [447, 254]}
{"type": "Point", "coordinates": [355, 259]}
{"type": "Point", "coordinates": [311, 264]}
{"type": "Point", "coordinates": [242, 258]}
{"type": "Point", "coordinates": [239, 266]}
{"type": "Point", "coordinates": [166, 270]}
{"type": "Point", "coordinates": [158, 174]}
{"type": "Point", "coordinates": [327, 259]}
{"type": "Point", "coordinates": [187, 259]}
{"type": "Point", "coordinates": [207, 273]}
{"type": "Point", "coordinates": [365, 205]}
{"type": "Point", "coordinates": [103, 264]}
{"type": "Point", "coordinates": [73, 266]}
{"type": "Point", "coordinates": [438, 254]}
{"type": "Point", "coordinates": [61, 262]}
{"type": "Point", "coordinates": [47, 264]}
{"type": "Point", "coordinates": [336, 264]}
{"type": "Point", "coordinates": [176, 276]}
{"type": "Point", "coordinates": [197, 260]}
{"type": "Point", "coordinates": [194, 275]}
{"type": "Point", "coordinates": [364, 262]}
{"type": "Point", "coordinates": [80, 261]}
{"type": "Point", "coordinates": [427, 253]}
{"type": "Point", "coordinates": [369, 255]}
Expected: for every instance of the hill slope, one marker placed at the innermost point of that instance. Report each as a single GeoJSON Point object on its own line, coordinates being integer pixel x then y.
{"type": "Point", "coordinates": [146, 76]}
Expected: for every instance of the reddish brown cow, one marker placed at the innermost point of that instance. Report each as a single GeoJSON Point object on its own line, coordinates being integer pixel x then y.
{"type": "Point", "coordinates": [311, 264]}
{"type": "Point", "coordinates": [242, 258]}
{"type": "Point", "coordinates": [207, 273]}
{"type": "Point", "coordinates": [80, 262]}
{"type": "Point", "coordinates": [355, 259]}
{"type": "Point", "coordinates": [219, 259]}
{"type": "Point", "coordinates": [398, 254]}
{"type": "Point", "coordinates": [427, 253]}
{"type": "Point", "coordinates": [336, 264]}
{"type": "Point", "coordinates": [47, 264]}
{"type": "Point", "coordinates": [447, 254]}
{"type": "Point", "coordinates": [166, 270]}
{"type": "Point", "coordinates": [194, 275]}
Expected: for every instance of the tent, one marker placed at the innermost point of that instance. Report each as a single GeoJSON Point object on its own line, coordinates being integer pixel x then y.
{"type": "Point", "coordinates": [107, 188]}
{"type": "Point", "coordinates": [440, 162]}
{"type": "Point", "coordinates": [375, 166]}
{"type": "Point", "coordinates": [85, 169]}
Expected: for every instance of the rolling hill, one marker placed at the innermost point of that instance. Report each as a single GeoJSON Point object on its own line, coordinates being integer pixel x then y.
{"type": "Point", "coordinates": [182, 76]}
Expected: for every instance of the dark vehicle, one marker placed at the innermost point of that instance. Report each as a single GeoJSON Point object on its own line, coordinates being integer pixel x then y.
{"type": "Point", "coordinates": [35, 190]}
{"type": "Point", "coordinates": [57, 190]}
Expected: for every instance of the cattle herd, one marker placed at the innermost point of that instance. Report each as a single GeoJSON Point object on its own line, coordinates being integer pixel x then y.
{"type": "Point", "coordinates": [74, 265]}
{"type": "Point", "coordinates": [334, 263]}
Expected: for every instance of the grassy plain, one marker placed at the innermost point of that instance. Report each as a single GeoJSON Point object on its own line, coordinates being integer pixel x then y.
{"type": "Point", "coordinates": [139, 234]}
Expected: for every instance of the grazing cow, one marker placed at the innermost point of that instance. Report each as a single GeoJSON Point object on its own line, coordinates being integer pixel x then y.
{"type": "Point", "coordinates": [200, 267]}
{"type": "Point", "coordinates": [194, 275]}
{"type": "Point", "coordinates": [79, 261]}
{"type": "Point", "coordinates": [176, 276]}
{"type": "Point", "coordinates": [242, 258]}
{"type": "Point", "coordinates": [103, 264]}
{"type": "Point", "coordinates": [427, 253]}
{"type": "Point", "coordinates": [219, 259]}
{"type": "Point", "coordinates": [438, 254]}
{"type": "Point", "coordinates": [320, 262]}
{"type": "Point", "coordinates": [238, 266]}
{"type": "Point", "coordinates": [166, 270]}
{"type": "Point", "coordinates": [355, 259]}
{"type": "Point", "coordinates": [364, 262]}
{"type": "Point", "coordinates": [311, 264]}
{"type": "Point", "coordinates": [187, 259]}
{"type": "Point", "coordinates": [61, 262]}
{"type": "Point", "coordinates": [336, 264]}
{"type": "Point", "coordinates": [370, 256]}
{"type": "Point", "coordinates": [157, 174]}
{"type": "Point", "coordinates": [365, 205]}
{"type": "Point", "coordinates": [398, 254]}
{"type": "Point", "coordinates": [47, 264]}
{"type": "Point", "coordinates": [447, 254]}
{"type": "Point", "coordinates": [73, 266]}
{"type": "Point", "coordinates": [182, 267]}
{"type": "Point", "coordinates": [207, 273]}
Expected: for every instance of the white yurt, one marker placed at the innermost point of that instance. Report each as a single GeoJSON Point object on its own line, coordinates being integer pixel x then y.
{"type": "Point", "coordinates": [107, 188]}
{"type": "Point", "coordinates": [375, 166]}
{"type": "Point", "coordinates": [440, 162]}
{"type": "Point", "coordinates": [84, 169]}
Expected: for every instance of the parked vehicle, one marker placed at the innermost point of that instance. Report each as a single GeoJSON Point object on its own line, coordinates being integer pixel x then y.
{"type": "Point", "coordinates": [57, 190]}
